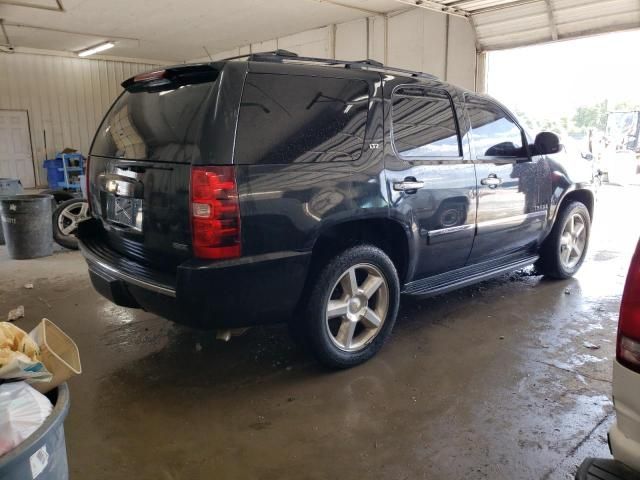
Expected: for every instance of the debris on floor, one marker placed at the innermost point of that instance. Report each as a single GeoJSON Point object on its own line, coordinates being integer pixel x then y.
{"type": "Point", "coordinates": [16, 313]}
{"type": "Point", "coordinates": [591, 346]}
{"type": "Point", "coordinates": [44, 301]}
{"type": "Point", "coordinates": [28, 286]}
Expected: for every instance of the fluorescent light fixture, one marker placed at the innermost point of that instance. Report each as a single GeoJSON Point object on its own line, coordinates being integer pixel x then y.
{"type": "Point", "coordinates": [98, 48]}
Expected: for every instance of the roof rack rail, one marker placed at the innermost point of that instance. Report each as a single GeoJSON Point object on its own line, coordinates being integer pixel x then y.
{"type": "Point", "coordinates": [281, 56]}
{"type": "Point", "coordinates": [260, 55]}
{"type": "Point", "coordinates": [375, 65]}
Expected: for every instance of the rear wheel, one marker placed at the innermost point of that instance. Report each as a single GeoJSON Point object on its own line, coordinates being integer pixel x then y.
{"type": "Point", "coordinates": [352, 307]}
{"type": "Point", "coordinates": [66, 217]}
{"type": "Point", "coordinates": [563, 252]}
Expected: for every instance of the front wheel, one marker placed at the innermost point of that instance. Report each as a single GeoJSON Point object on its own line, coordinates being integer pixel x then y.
{"type": "Point", "coordinates": [564, 251]}
{"type": "Point", "coordinates": [352, 307]}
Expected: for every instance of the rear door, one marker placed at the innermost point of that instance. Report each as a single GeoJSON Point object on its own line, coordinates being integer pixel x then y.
{"type": "Point", "coordinates": [140, 167]}
{"type": "Point", "coordinates": [302, 153]}
{"type": "Point", "coordinates": [512, 207]}
{"type": "Point", "coordinates": [431, 180]}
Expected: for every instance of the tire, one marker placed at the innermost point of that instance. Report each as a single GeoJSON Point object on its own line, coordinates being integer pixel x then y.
{"type": "Point", "coordinates": [349, 339]}
{"type": "Point", "coordinates": [554, 261]}
{"type": "Point", "coordinates": [65, 219]}
{"type": "Point", "coordinates": [59, 195]}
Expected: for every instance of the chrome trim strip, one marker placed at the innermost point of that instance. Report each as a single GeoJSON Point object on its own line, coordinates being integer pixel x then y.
{"type": "Point", "coordinates": [445, 231]}
{"type": "Point", "coordinates": [92, 258]}
{"type": "Point", "coordinates": [514, 220]}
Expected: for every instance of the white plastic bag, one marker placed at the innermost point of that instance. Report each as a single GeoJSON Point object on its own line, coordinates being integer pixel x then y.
{"type": "Point", "coordinates": [22, 410]}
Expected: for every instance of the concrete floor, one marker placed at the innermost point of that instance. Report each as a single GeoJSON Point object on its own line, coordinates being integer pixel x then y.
{"type": "Point", "coordinates": [493, 381]}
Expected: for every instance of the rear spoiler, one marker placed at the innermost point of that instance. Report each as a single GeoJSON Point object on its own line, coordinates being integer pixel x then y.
{"type": "Point", "coordinates": [172, 76]}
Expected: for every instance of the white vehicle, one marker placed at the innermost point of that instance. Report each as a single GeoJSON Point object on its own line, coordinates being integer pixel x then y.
{"type": "Point", "coordinates": [624, 436]}
{"type": "Point", "coordinates": [620, 158]}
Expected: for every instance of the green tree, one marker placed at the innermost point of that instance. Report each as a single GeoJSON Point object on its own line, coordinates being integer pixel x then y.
{"type": "Point", "coordinates": [594, 116]}
{"type": "Point", "coordinates": [627, 107]}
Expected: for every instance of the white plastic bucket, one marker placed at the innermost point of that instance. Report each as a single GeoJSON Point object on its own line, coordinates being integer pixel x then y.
{"type": "Point", "coordinates": [58, 353]}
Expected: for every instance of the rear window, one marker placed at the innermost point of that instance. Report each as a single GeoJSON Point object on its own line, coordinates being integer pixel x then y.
{"type": "Point", "coordinates": [162, 126]}
{"type": "Point", "coordinates": [299, 119]}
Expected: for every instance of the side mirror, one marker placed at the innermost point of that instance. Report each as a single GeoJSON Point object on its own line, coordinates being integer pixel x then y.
{"type": "Point", "coordinates": [546, 143]}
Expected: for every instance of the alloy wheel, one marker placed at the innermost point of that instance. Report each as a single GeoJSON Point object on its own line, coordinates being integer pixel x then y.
{"type": "Point", "coordinates": [573, 241]}
{"type": "Point", "coordinates": [71, 215]}
{"type": "Point", "coordinates": [357, 307]}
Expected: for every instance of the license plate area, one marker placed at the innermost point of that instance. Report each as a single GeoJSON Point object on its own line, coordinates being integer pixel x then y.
{"type": "Point", "coordinates": [125, 211]}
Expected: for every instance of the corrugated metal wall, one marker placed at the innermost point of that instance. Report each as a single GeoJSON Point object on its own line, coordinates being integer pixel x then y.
{"type": "Point", "coordinates": [65, 97]}
{"type": "Point", "coordinates": [417, 39]}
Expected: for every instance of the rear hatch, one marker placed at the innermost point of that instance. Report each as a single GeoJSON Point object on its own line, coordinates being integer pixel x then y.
{"type": "Point", "coordinates": [140, 163]}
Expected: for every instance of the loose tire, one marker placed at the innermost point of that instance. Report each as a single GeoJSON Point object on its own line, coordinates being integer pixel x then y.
{"type": "Point", "coordinates": [564, 251]}
{"type": "Point", "coordinates": [351, 307]}
{"type": "Point", "coordinates": [66, 217]}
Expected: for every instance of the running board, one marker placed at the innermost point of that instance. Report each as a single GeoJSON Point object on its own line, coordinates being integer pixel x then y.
{"type": "Point", "coordinates": [462, 277]}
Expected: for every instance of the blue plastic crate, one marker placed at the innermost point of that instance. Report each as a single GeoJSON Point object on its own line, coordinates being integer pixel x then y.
{"type": "Point", "coordinates": [55, 173]}
{"type": "Point", "coordinates": [64, 169]}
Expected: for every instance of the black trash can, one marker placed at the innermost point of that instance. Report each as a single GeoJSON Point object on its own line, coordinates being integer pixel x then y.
{"type": "Point", "coordinates": [26, 221]}
{"type": "Point", "coordinates": [44, 454]}
{"type": "Point", "coordinates": [8, 186]}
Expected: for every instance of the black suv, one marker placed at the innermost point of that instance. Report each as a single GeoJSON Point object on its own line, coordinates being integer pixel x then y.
{"type": "Point", "coordinates": [276, 188]}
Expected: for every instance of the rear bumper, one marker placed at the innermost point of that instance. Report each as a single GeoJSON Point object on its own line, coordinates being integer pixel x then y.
{"type": "Point", "coordinates": [224, 294]}
{"type": "Point", "coordinates": [624, 436]}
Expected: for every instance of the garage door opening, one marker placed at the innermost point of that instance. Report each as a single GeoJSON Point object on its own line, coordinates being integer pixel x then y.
{"type": "Point", "coordinates": [584, 90]}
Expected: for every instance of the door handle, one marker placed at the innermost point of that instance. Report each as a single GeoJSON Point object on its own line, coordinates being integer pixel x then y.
{"type": "Point", "coordinates": [492, 181]}
{"type": "Point", "coordinates": [408, 185]}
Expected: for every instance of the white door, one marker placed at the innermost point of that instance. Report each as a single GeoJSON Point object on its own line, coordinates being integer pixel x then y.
{"type": "Point", "coordinates": [15, 147]}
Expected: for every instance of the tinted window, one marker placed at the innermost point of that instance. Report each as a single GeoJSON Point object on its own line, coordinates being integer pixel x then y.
{"type": "Point", "coordinates": [424, 124]}
{"type": "Point", "coordinates": [298, 119]}
{"type": "Point", "coordinates": [155, 125]}
{"type": "Point", "coordinates": [494, 134]}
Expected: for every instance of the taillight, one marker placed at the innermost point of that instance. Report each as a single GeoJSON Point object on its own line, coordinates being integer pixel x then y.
{"type": "Point", "coordinates": [628, 346]}
{"type": "Point", "coordinates": [148, 76]}
{"type": "Point", "coordinates": [215, 212]}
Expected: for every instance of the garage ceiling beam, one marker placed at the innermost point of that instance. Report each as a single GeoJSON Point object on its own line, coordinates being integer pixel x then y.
{"type": "Point", "coordinates": [17, 3]}
{"type": "Point", "coordinates": [436, 7]}
{"type": "Point", "coordinates": [70, 32]}
{"type": "Point", "coordinates": [352, 7]}
{"type": "Point", "coordinates": [460, 3]}
{"type": "Point", "coordinates": [503, 6]}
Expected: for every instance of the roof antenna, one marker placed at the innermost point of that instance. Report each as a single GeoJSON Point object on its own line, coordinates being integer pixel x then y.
{"type": "Point", "coordinates": [207, 52]}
